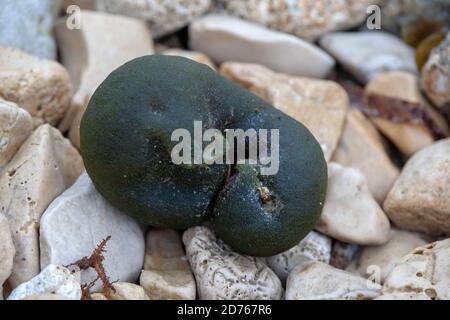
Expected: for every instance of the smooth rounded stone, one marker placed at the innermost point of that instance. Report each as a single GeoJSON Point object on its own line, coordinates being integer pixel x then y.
{"type": "Point", "coordinates": [98, 296]}
{"type": "Point", "coordinates": [127, 291]}
{"type": "Point", "coordinates": [425, 271]}
{"type": "Point", "coordinates": [319, 281]}
{"type": "Point", "coordinates": [342, 254]}
{"type": "Point", "coordinates": [436, 75]}
{"type": "Point", "coordinates": [314, 247]}
{"type": "Point", "coordinates": [366, 54]}
{"type": "Point", "coordinates": [386, 256]}
{"type": "Point", "coordinates": [374, 163]}
{"type": "Point", "coordinates": [54, 279]}
{"type": "Point", "coordinates": [7, 252]}
{"type": "Point", "coordinates": [45, 165]}
{"type": "Point", "coordinates": [163, 16]}
{"type": "Point", "coordinates": [42, 87]}
{"type": "Point", "coordinates": [231, 39]}
{"type": "Point", "coordinates": [92, 52]}
{"type": "Point", "coordinates": [222, 274]}
{"type": "Point", "coordinates": [167, 274]}
{"type": "Point", "coordinates": [350, 213]}
{"type": "Point", "coordinates": [193, 55]}
{"type": "Point", "coordinates": [16, 125]}
{"type": "Point", "coordinates": [320, 105]}
{"type": "Point", "coordinates": [28, 24]}
{"type": "Point", "coordinates": [420, 198]}
{"type": "Point", "coordinates": [307, 19]}
{"type": "Point", "coordinates": [407, 137]}
{"type": "Point", "coordinates": [77, 221]}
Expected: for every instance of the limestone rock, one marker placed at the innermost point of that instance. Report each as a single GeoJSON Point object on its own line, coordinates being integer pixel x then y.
{"type": "Point", "coordinates": [28, 24]}
{"type": "Point", "coordinates": [366, 54]}
{"type": "Point", "coordinates": [93, 52]}
{"type": "Point", "coordinates": [193, 55]}
{"type": "Point", "coordinates": [222, 274]}
{"type": "Point", "coordinates": [7, 252]}
{"type": "Point", "coordinates": [436, 75]}
{"type": "Point", "coordinates": [386, 256]}
{"type": "Point", "coordinates": [15, 126]}
{"type": "Point", "coordinates": [44, 167]}
{"type": "Point", "coordinates": [162, 16]}
{"type": "Point", "coordinates": [41, 87]}
{"type": "Point", "coordinates": [307, 19]}
{"type": "Point", "coordinates": [318, 104]}
{"type": "Point", "coordinates": [374, 163]}
{"type": "Point", "coordinates": [350, 214]}
{"type": "Point", "coordinates": [422, 273]}
{"type": "Point", "coordinates": [395, 14]}
{"type": "Point", "coordinates": [123, 291]}
{"type": "Point", "coordinates": [167, 274]}
{"type": "Point", "coordinates": [55, 280]}
{"type": "Point", "coordinates": [231, 39]}
{"type": "Point", "coordinates": [77, 221]}
{"type": "Point", "coordinates": [407, 137]}
{"type": "Point", "coordinates": [319, 281]}
{"type": "Point", "coordinates": [314, 247]}
{"type": "Point", "coordinates": [420, 198]}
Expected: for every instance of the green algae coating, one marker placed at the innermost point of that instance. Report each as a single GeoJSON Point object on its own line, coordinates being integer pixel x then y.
{"type": "Point", "coordinates": [125, 144]}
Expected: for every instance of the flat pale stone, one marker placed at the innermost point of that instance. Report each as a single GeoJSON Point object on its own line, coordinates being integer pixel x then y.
{"type": "Point", "coordinates": [231, 39]}
{"type": "Point", "coordinates": [386, 256]}
{"type": "Point", "coordinates": [16, 125]}
{"type": "Point", "coordinates": [167, 274]}
{"type": "Point", "coordinates": [42, 87]}
{"type": "Point", "coordinates": [163, 16]}
{"type": "Point", "coordinates": [342, 254]}
{"type": "Point", "coordinates": [420, 198]}
{"type": "Point", "coordinates": [436, 75]}
{"type": "Point", "coordinates": [396, 14]}
{"type": "Point", "coordinates": [318, 104]}
{"type": "Point", "coordinates": [193, 55]}
{"type": "Point", "coordinates": [92, 52]}
{"type": "Point", "coordinates": [77, 221]}
{"type": "Point", "coordinates": [350, 213]}
{"type": "Point", "coordinates": [7, 252]}
{"type": "Point", "coordinates": [223, 274]}
{"type": "Point", "coordinates": [43, 168]}
{"type": "Point", "coordinates": [374, 163]}
{"type": "Point", "coordinates": [306, 18]}
{"type": "Point", "coordinates": [55, 280]}
{"type": "Point", "coordinates": [407, 137]}
{"type": "Point", "coordinates": [366, 54]}
{"type": "Point", "coordinates": [28, 24]}
{"type": "Point", "coordinates": [319, 281]}
{"type": "Point", "coordinates": [424, 272]}
{"type": "Point", "coordinates": [403, 296]}
{"type": "Point", "coordinates": [127, 291]}
{"type": "Point", "coordinates": [314, 247]}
